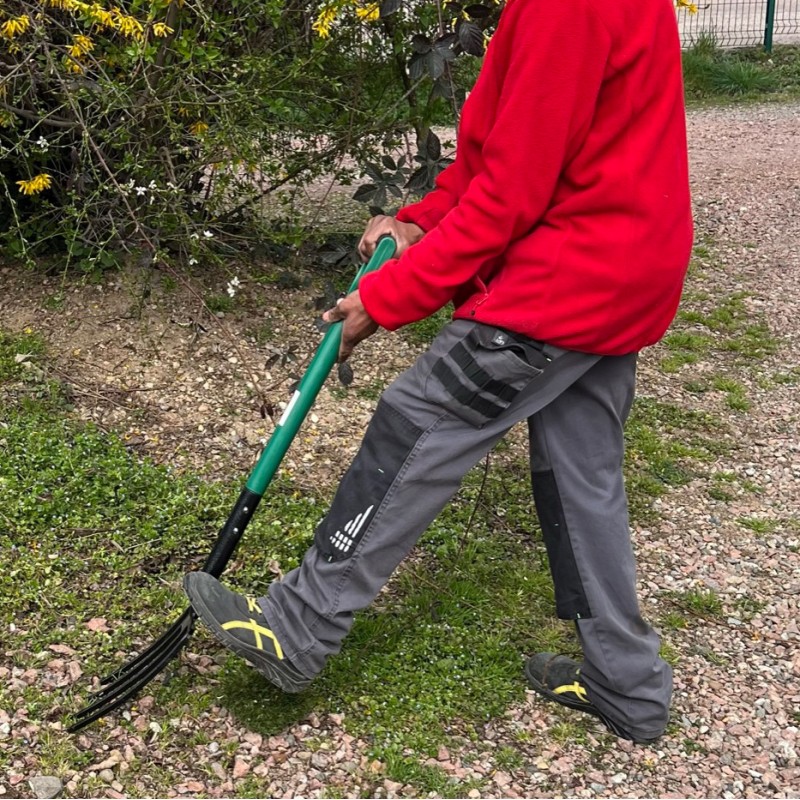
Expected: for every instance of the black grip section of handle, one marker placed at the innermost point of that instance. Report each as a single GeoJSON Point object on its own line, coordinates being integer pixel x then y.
{"type": "Point", "coordinates": [231, 532]}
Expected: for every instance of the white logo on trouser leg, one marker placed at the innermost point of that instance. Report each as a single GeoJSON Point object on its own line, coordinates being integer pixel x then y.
{"type": "Point", "coordinates": [344, 540]}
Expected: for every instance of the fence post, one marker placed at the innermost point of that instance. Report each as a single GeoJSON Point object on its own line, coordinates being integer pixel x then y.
{"type": "Point", "coordinates": [769, 25]}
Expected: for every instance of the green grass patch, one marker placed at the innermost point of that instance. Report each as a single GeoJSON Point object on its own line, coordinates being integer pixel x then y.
{"type": "Point", "coordinates": [95, 531]}
{"type": "Point", "coordinates": [702, 602]}
{"type": "Point", "coordinates": [422, 333]}
{"type": "Point", "coordinates": [666, 446]}
{"type": "Point", "coordinates": [444, 644]}
{"type": "Point", "coordinates": [714, 75]}
{"type": "Point", "coordinates": [706, 327]}
{"type": "Point", "coordinates": [735, 392]}
{"type": "Point", "coordinates": [758, 526]}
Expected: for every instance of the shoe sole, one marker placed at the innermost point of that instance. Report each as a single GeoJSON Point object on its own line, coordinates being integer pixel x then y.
{"type": "Point", "coordinates": [272, 672]}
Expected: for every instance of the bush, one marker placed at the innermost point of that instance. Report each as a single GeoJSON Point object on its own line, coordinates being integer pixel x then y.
{"type": "Point", "coordinates": [154, 127]}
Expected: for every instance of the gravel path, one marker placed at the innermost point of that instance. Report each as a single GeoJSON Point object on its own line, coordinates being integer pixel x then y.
{"type": "Point", "coordinates": [736, 712]}
{"type": "Point", "coordinates": [737, 677]}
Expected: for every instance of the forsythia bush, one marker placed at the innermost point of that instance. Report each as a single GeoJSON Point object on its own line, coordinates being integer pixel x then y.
{"type": "Point", "coordinates": [153, 128]}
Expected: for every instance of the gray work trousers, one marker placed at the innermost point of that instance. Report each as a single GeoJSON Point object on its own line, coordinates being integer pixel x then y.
{"type": "Point", "coordinates": [433, 424]}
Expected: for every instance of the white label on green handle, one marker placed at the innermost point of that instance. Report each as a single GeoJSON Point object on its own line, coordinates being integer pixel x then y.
{"type": "Point", "coordinates": [288, 410]}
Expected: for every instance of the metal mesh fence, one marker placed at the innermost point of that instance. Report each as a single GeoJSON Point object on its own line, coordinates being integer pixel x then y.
{"type": "Point", "coordinates": [741, 23]}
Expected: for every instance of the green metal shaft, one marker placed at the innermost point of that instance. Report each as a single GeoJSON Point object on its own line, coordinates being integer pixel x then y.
{"type": "Point", "coordinates": [310, 385]}
{"type": "Point", "coordinates": [769, 25]}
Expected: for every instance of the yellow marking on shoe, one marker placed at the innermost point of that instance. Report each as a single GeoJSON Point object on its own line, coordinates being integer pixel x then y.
{"type": "Point", "coordinates": [258, 630]}
{"type": "Point", "coordinates": [576, 688]}
{"type": "Point", "coordinates": [252, 605]}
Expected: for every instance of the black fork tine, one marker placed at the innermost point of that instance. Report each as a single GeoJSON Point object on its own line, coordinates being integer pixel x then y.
{"type": "Point", "coordinates": [129, 679]}
{"type": "Point", "coordinates": [154, 649]}
{"type": "Point", "coordinates": [112, 702]}
{"type": "Point", "coordinates": [123, 677]}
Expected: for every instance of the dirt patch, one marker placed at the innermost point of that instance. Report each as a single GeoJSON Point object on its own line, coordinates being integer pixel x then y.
{"type": "Point", "coordinates": [194, 388]}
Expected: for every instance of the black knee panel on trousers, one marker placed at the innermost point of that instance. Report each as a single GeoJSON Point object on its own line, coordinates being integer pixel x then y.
{"type": "Point", "coordinates": [571, 602]}
{"type": "Point", "coordinates": [387, 443]}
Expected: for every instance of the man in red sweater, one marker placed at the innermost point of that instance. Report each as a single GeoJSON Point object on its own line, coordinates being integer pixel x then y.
{"type": "Point", "coordinates": [561, 234]}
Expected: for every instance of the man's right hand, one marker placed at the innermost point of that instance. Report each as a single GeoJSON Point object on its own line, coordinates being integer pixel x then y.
{"type": "Point", "coordinates": [404, 234]}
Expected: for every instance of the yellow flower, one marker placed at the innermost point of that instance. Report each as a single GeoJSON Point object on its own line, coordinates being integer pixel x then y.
{"type": "Point", "coordinates": [100, 16]}
{"type": "Point", "coordinates": [35, 185]}
{"type": "Point", "coordinates": [15, 26]}
{"type": "Point", "coordinates": [369, 12]}
{"type": "Point", "coordinates": [690, 6]}
{"type": "Point", "coordinates": [162, 29]}
{"type": "Point", "coordinates": [73, 66]}
{"type": "Point", "coordinates": [322, 24]}
{"type": "Point", "coordinates": [126, 25]}
{"type": "Point", "coordinates": [198, 128]}
{"type": "Point", "coordinates": [81, 46]}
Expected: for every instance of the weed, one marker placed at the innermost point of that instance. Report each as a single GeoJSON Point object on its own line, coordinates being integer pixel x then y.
{"type": "Point", "coordinates": [219, 303]}
{"type": "Point", "coordinates": [715, 75]}
{"type": "Point", "coordinates": [691, 747]}
{"type": "Point", "coordinates": [569, 732]}
{"type": "Point", "coordinates": [748, 607]}
{"type": "Point", "coordinates": [790, 378]}
{"type": "Point", "coordinates": [674, 620]}
{"type": "Point", "coordinates": [758, 526]}
{"type": "Point", "coordinates": [736, 394]}
{"type": "Point", "coordinates": [665, 445]}
{"type": "Point", "coordinates": [669, 653]}
{"type": "Point", "coordinates": [422, 333]}
{"type": "Point", "coordinates": [703, 602]}
{"type": "Point", "coordinates": [696, 387]}
{"type": "Point", "coordinates": [508, 758]}
{"type": "Point", "coordinates": [739, 77]}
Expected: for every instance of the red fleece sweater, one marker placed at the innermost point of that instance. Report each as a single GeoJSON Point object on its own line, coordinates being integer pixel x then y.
{"type": "Point", "coordinates": [566, 214]}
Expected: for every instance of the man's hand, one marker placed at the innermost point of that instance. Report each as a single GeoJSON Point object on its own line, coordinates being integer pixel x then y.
{"type": "Point", "coordinates": [357, 325]}
{"type": "Point", "coordinates": [404, 234]}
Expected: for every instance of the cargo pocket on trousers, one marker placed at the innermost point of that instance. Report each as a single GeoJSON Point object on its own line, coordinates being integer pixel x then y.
{"type": "Point", "coordinates": [481, 375]}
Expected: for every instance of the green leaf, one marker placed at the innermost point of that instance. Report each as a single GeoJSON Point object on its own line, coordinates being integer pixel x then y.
{"type": "Point", "coordinates": [470, 37]}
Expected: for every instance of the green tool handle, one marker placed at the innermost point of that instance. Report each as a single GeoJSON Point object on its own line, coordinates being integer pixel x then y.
{"type": "Point", "coordinates": [288, 426]}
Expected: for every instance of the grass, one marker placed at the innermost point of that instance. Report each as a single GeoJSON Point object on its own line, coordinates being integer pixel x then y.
{"type": "Point", "coordinates": [700, 602]}
{"type": "Point", "coordinates": [95, 531]}
{"type": "Point", "coordinates": [713, 75]}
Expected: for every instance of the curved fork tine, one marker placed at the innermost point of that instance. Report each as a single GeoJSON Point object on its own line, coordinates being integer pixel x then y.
{"type": "Point", "coordinates": [128, 688]}
{"type": "Point", "coordinates": [133, 676]}
{"type": "Point", "coordinates": [153, 649]}
{"type": "Point", "coordinates": [127, 675]}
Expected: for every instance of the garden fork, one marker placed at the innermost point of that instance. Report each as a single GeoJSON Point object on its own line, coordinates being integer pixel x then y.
{"type": "Point", "coordinates": [125, 682]}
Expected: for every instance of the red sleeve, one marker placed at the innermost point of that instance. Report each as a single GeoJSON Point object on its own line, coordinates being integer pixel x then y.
{"type": "Point", "coordinates": [555, 57]}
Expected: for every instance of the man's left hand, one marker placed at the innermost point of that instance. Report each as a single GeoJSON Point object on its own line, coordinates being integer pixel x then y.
{"type": "Point", "coordinates": [357, 325]}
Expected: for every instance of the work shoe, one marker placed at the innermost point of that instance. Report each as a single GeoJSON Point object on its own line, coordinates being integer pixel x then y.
{"type": "Point", "coordinates": [558, 678]}
{"type": "Point", "coordinates": [237, 621]}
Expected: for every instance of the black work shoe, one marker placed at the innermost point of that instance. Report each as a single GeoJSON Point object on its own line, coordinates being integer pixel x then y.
{"type": "Point", "coordinates": [558, 678]}
{"type": "Point", "coordinates": [238, 623]}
